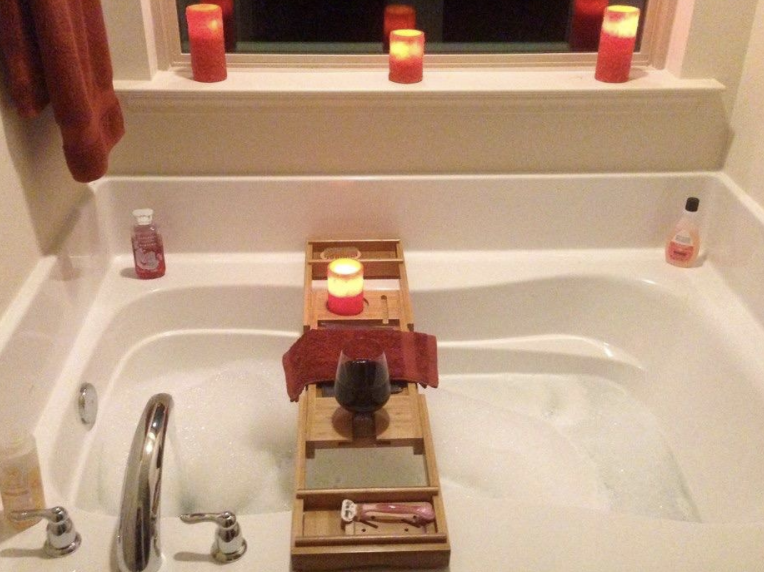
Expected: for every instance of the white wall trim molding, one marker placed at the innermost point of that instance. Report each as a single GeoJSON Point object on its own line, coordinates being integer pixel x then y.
{"type": "Point", "coordinates": [507, 88]}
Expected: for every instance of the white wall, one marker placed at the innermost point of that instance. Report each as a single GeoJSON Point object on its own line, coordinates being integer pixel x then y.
{"type": "Point", "coordinates": [390, 133]}
{"type": "Point", "coordinates": [38, 195]}
{"type": "Point", "coordinates": [745, 163]}
{"type": "Point", "coordinates": [717, 39]}
{"type": "Point", "coordinates": [20, 252]}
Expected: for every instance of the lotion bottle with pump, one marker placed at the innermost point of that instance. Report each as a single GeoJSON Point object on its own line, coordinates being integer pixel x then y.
{"type": "Point", "coordinates": [20, 479]}
{"type": "Point", "coordinates": [683, 243]}
{"type": "Point", "coordinates": [148, 248]}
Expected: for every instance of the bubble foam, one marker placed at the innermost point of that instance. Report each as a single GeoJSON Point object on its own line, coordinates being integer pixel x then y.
{"type": "Point", "coordinates": [231, 440]}
{"type": "Point", "coordinates": [572, 440]}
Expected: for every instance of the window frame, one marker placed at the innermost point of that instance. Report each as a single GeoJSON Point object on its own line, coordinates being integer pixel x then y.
{"type": "Point", "coordinates": [652, 53]}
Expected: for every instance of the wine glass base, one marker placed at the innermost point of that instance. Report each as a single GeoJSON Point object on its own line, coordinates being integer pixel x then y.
{"type": "Point", "coordinates": [364, 426]}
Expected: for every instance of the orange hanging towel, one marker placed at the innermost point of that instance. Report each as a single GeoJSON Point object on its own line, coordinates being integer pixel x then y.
{"type": "Point", "coordinates": [56, 51]}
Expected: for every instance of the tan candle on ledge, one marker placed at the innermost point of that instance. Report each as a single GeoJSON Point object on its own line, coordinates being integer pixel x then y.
{"type": "Point", "coordinates": [617, 40]}
{"type": "Point", "coordinates": [406, 56]}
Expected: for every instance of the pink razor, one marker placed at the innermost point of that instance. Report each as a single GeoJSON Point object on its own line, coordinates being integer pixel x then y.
{"type": "Point", "coordinates": [418, 514]}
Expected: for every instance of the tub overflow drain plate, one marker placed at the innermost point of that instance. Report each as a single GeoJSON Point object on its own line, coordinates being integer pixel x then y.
{"type": "Point", "coordinates": [87, 404]}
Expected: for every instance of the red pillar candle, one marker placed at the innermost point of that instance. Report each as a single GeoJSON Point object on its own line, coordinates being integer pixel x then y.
{"type": "Point", "coordinates": [229, 23]}
{"type": "Point", "coordinates": [344, 281]}
{"type": "Point", "coordinates": [406, 56]}
{"type": "Point", "coordinates": [586, 24]}
{"type": "Point", "coordinates": [205, 34]}
{"type": "Point", "coordinates": [617, 39]}
{"type": "Point", "coordinates": [397, 17]}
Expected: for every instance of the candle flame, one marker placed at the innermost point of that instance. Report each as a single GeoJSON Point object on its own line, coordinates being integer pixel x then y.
{"type": "Point", "coordinates": [621, 21]}
{"type": "Point", "coordinates": [203, 7]}
{"type": "Point", "coordinates": [406, 44]}
{"type": "Point", "coordinates": [345, 278]}
{"type": "Point", "coordinates": [345, 266]}
{"type": "Point", "coordinates": [402, 50]}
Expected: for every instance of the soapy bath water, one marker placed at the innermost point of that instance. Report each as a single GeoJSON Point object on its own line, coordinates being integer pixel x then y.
{"type": "Point", "coordinates": [572, 440]}
{"type": "Point", "coordinates": [231, 440]}
{"type": "Point", "coordinates": [569, 440]}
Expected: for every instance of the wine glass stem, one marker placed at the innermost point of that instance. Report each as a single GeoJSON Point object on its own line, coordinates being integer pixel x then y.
{"type": "Point", "coordinates": [364, 426]}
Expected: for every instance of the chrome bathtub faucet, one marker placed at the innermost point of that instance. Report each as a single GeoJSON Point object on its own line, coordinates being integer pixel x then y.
{"type": "Point", "coordinates": [229, 544]}
{"type": "Point", "coordinates": [138, 548]}
{"type": "Point", "coordinates": [62, 538]}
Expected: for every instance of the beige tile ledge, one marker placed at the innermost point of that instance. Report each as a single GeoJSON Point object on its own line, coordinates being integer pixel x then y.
{"type": "Point", "coordinates": [482, 87]}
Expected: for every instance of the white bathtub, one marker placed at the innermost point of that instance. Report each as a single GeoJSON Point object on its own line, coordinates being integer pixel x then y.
{"type": "Point", "coordinates": [540, 351]}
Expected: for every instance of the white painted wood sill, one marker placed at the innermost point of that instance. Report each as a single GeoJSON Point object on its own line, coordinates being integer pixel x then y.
{"type": "Point", "coordinates": [320, 86]}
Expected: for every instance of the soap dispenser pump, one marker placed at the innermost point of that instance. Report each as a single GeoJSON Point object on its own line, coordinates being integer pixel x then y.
{"type": "Point", "coordinates": [683, 243]}
{"type": "Point", "coordinates": [148, 247]}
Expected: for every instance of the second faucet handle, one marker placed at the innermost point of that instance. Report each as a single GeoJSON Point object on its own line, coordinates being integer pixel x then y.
{"type": "Point", "coordinates": [62, 538]}
{"type": "Point", "coordinates": [229, 543]}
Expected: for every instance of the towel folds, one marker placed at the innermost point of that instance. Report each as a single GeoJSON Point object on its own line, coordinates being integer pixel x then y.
{"type": "Point", "coordinates": [56, 51]}
{"type": "Point", "coordinates": [411, 356]}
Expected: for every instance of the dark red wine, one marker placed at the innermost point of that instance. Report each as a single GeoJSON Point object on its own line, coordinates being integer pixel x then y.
{"type": "Point", "coordinates": [362, 386]}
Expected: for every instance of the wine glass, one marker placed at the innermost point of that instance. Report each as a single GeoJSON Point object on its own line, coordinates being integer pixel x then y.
{"type": "Point", "coordinates": [362, 383]}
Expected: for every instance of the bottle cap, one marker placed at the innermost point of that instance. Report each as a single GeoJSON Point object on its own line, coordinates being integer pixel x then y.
{"type": "Point", "coordinates": [692, 204]}
{"type": "Point", "coordinates": [143, 216]}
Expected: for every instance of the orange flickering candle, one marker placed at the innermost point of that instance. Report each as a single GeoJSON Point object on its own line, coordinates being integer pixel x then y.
{"type": "Point", "coordinates": [397, 17]}
{"type": "Point", "coordinates": [406, 56]}
{"type": "Point", "coordinates": [229, 23]}
{"type": "Point", "coordinates": [617, 39]}
{"type": "Point", "coordinates": [344, 280]}
{"type": "Point", "coordinates": [586, 24]}
{"type": "Point", "coordinates": [205, 34]}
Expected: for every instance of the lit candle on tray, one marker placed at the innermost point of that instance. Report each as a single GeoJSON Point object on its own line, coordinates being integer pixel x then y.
{"type": "Point", "coordinates": [617, 39]}
{"type": "Point", "coordinates": [345, 285]}
{"type": "Point", "coordinates": [406, 56]}
{"type": "Point", "coordinates": [206, 37]}
{"type": "Point", "coordinates": [397, 17]}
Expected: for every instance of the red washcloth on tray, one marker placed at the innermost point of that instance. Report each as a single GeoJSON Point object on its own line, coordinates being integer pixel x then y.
{"type": "Point", "coordinates": [411, 356]}
{"type": "Point", "coordinates": [57, 51]}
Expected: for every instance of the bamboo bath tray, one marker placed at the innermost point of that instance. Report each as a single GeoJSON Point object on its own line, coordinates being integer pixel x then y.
{"type": "Point", "coordinates": [319, 539]}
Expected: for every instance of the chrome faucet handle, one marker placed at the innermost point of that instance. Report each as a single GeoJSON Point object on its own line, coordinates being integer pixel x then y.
{"type": "Point", "coordinates": [62, 538]}
{"type": "Point", "coordinates": [229, 543]}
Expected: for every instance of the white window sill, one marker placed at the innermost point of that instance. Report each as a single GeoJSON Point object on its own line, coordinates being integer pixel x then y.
{"type": "Point", "coordinates": [283, 87]}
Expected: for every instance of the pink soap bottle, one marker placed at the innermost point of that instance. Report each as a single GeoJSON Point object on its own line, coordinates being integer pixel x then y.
{"type": "Point", "coordinates": [148, 249]}
{"type": "Point", "coordinates": [683, 243]}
